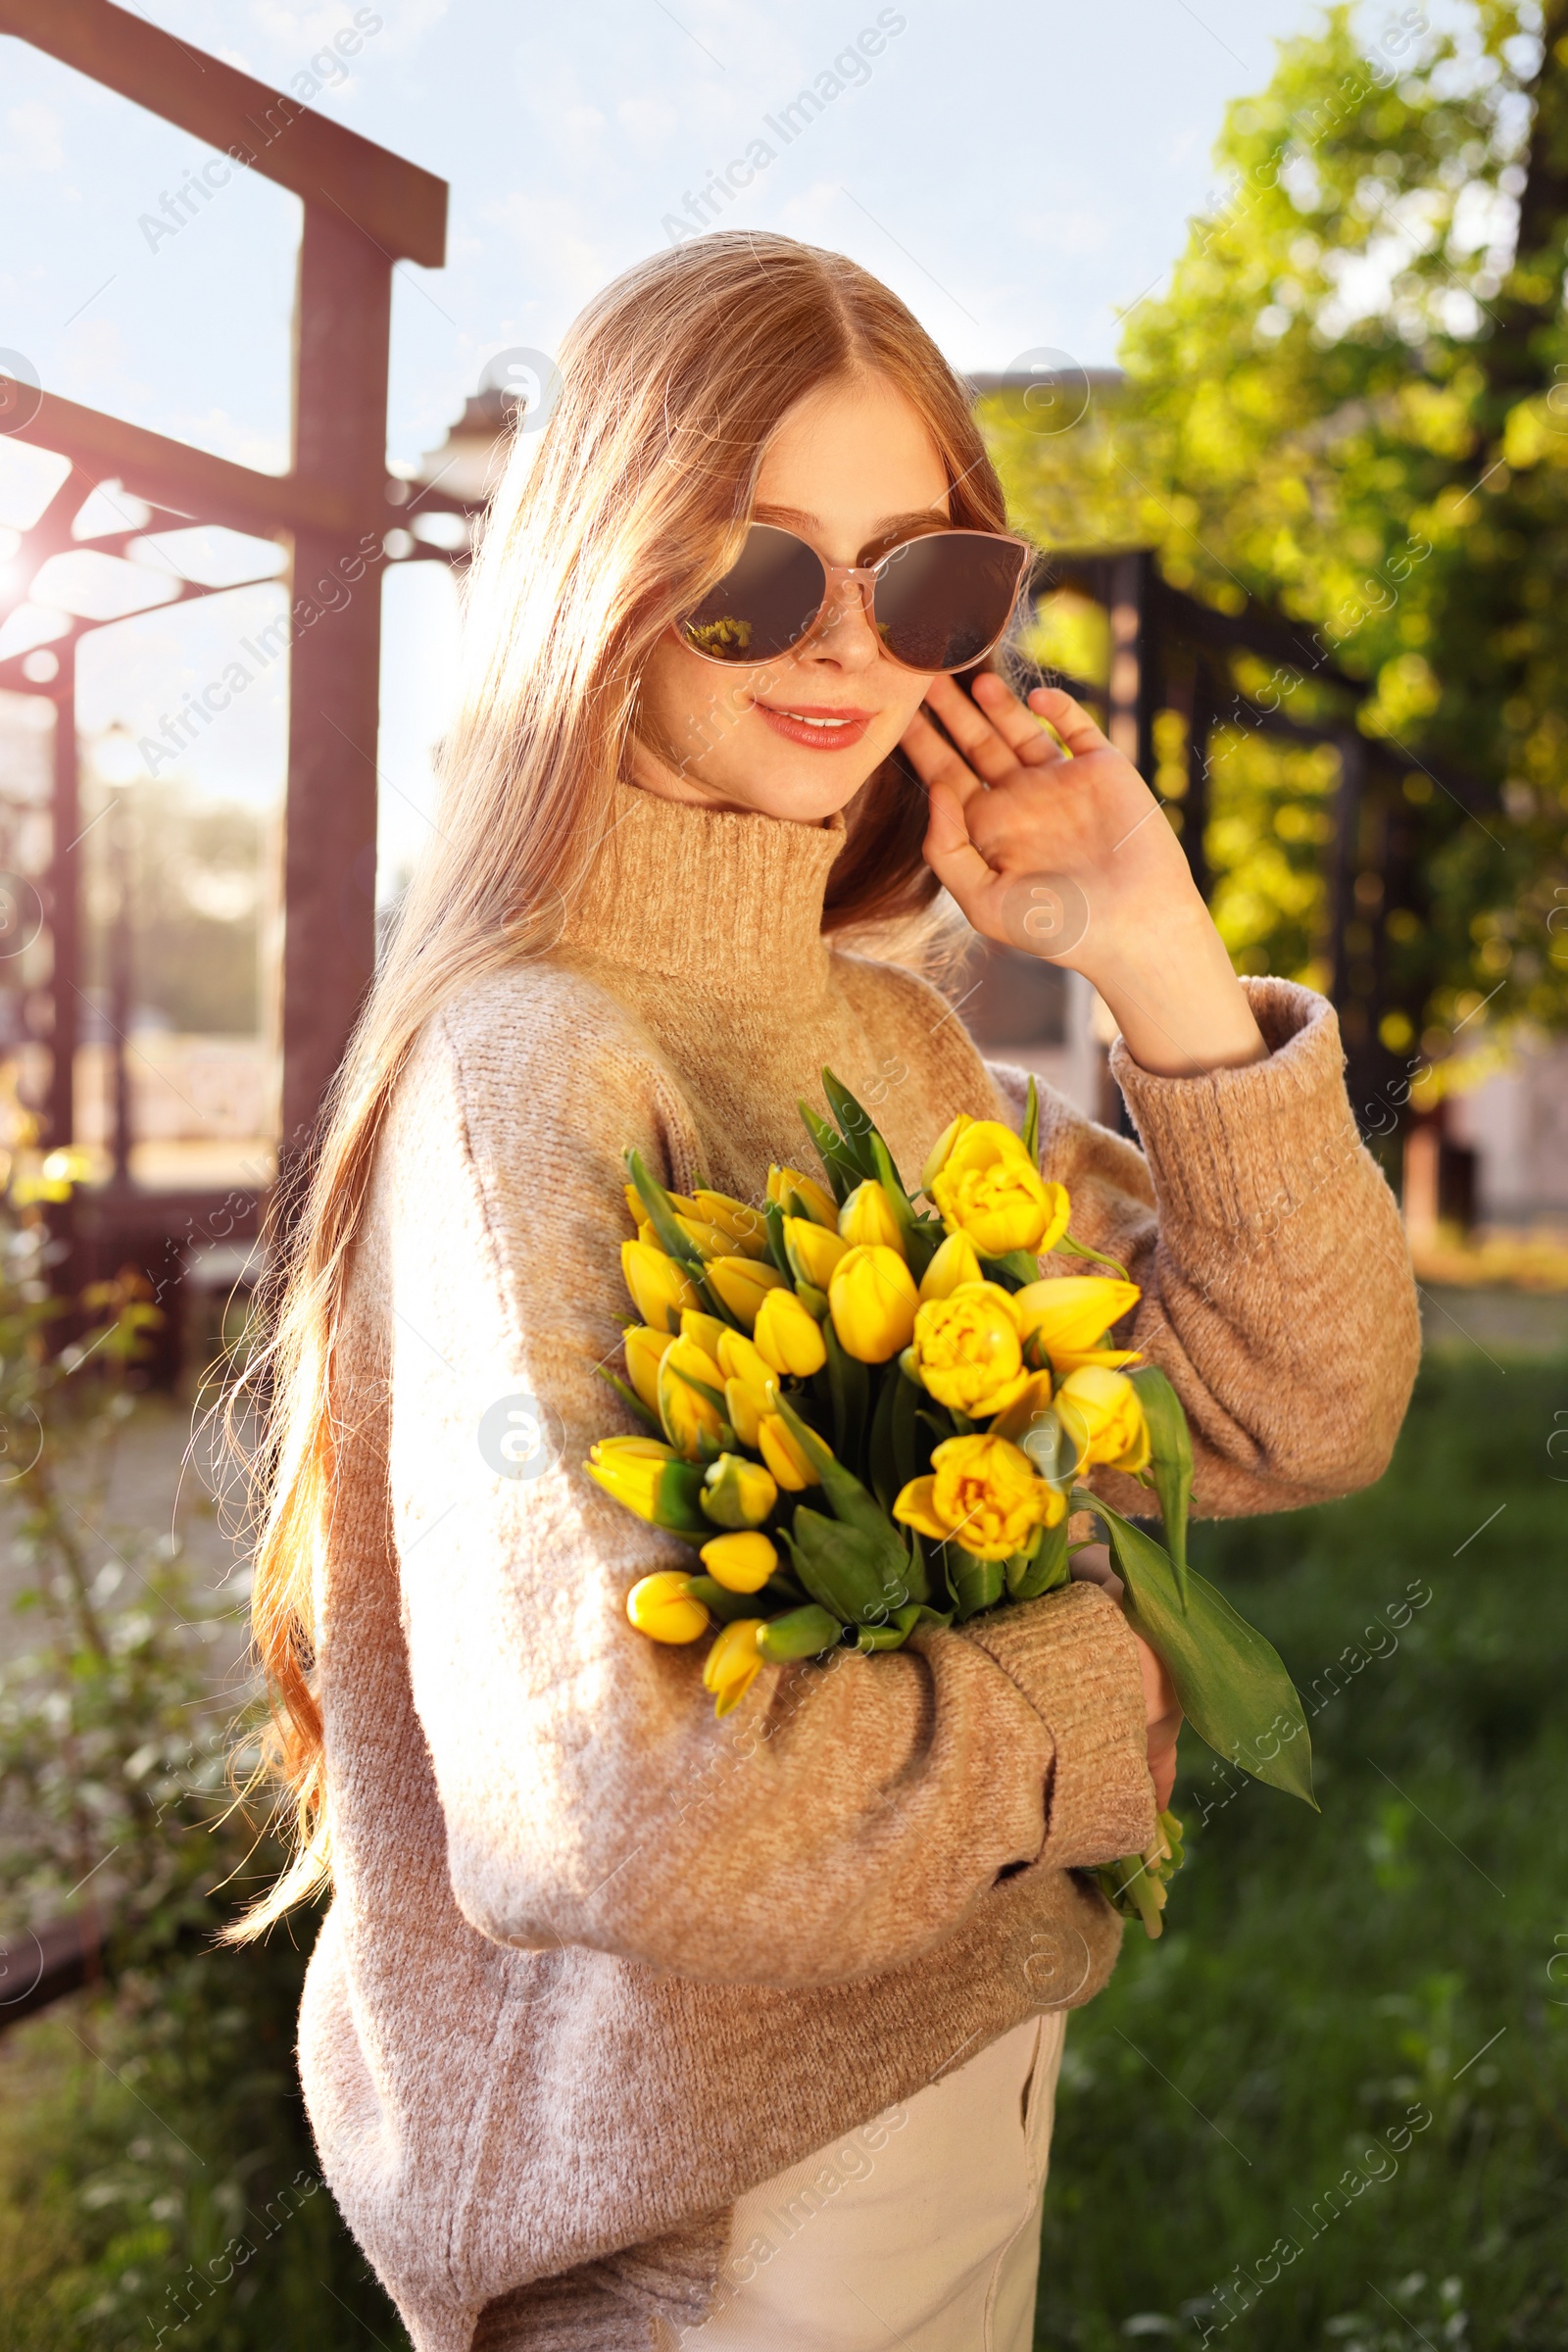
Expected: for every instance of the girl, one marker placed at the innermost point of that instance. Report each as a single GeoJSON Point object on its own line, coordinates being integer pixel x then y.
{"type": "Point", "coordinates": [625, 2026]}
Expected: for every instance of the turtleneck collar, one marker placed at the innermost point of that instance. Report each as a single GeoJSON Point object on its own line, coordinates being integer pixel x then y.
{"type": "Point", "coordinates": [703, 894]}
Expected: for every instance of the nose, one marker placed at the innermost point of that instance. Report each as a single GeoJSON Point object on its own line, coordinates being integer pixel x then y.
{"type": "Point", "coordinates": [845, 638]}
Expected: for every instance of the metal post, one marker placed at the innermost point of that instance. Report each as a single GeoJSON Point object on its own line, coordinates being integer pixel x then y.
{"type": "Point", "coordinates": [1133, 689]}
{"type": "Point", "coordinates": [342, 327]}
{"type": "Point", "coordinates": [120, 989]}
{"type": "Point", "coordinates": [65, 907]}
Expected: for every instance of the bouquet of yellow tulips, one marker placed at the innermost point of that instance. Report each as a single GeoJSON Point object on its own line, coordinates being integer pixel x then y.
{"type": "Point", "coordinates": [867, 1412]}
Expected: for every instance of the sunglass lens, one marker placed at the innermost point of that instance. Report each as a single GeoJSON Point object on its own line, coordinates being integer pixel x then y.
{"type": "Point", "coordinates": [764, 605]}
{"type": "Point", "coordinates": [943, 600]}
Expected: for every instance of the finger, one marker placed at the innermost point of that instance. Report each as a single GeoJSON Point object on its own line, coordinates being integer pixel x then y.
{"type": "Point", "coordinates": [1033, 744]}
{"type": "Point", "coordinates": [936, 762]}
{"type": "Point", "coordinates": [1070, 719]}
{"type": "Point", "coordinates": [947, 849]}
{"type": "Point", "coordinates": [971, 730]}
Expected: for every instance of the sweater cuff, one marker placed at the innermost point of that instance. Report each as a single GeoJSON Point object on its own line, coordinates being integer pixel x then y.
{"type": "Point", "coordinates": [1245, 1148]}
{"type": "Point", "coordinates": [1075, 1660]}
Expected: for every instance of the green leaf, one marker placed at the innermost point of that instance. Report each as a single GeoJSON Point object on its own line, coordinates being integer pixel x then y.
{"type": "Point", "coordinates": [843, 1170]}
{"type": "Point", "coordinates": [855, 1123]}
{"type": "Point", "coordinates": [846, 1571]}
{"type": "Point", "coordinates": [678, 1507]}
{"type": "Point", "coordinates": [849, 1395]}
{"type": "Point", "coordinates": [629, 1398]}
{"type": "Point", "coordinates": [723, 1604]}
{"type": "Point", "coordinates": [773, 1220]}
{"type": "Point", "coordinates": [922, 1236]}
{"type": "Point", "coordinates": [976, 1583]}
{"type": "Point", "coordinates": [672, 1239]}
{"type": "Point", "coordinates": [880, 1467]}
{"type": "Point", "coordinates": [1014, 1272]}
{"type": "Point", "coordinates": [851, 1502]}
{"type": "Point", "coordinates": [1171, 1461]}
{"type": "Point", "coordinates": [1044, 1568]}
{"type": "Point", "coordinates": [1232, 1685]}
{"type": "Point", "coordinates": [1068, 1248]}
{"type": "Point", "coordinates": [911, 1456]}
{"type": "Point", "coordinates": [1031, 1121]}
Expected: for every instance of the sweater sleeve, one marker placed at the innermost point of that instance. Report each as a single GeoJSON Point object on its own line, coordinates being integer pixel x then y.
{"type": "Point", "coordinates": [847, 1814]}
{"type": "Point", "coordinates": [1278, 1292]}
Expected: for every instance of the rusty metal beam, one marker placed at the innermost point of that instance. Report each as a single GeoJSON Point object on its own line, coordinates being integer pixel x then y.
{"type": "Point", "coordinates": [172, 474]}
{"type": "Point", "coordinates": [344, 318]}
{"type": "Point", "coordinates": [401, 207]}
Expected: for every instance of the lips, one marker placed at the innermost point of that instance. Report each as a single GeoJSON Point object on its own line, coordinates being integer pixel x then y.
{"type": "Point", "coordinates": [819, 726]}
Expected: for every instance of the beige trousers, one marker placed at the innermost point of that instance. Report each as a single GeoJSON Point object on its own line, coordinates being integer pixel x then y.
{"type": "Point", "coordinates": [921, 2229]}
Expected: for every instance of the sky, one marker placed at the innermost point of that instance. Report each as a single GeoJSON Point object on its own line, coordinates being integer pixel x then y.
{"type": "Point", "coordinates": [1020, 175]}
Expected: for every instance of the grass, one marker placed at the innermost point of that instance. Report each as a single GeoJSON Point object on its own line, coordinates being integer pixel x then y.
{"type": "Point", "coordinates": [1379, 1990]}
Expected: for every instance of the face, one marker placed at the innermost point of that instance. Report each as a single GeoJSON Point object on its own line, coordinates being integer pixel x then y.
{"type": "Point", "coordinates": [848, 464]}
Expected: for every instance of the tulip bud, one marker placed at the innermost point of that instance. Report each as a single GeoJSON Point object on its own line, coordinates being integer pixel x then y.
{"type": "Point", "coordinates": [872, 1298]}
{"type": "Point", "coordinates": [743, 1283]}
{"type": "Point", "coordinates": [738, 1360]}
{"type": "Point", "coordinates": [746, 1406]}
{"type": "Point", "coordinates": [867, 1219]}
{"type": "Point", "coordinates": [1112, 1414]}
{"type": "Point", "coordinates": [953, 1265]}
{"type": "Point", "coordinates": [644, 1350]}
{"type": "Point", "coordinates": [814, 1251]}
{"type": "Point", "coordinates": [741, 1562]}
{"type": "Point", "coordinates": [661, 1607]}
{"type": "Point", "coordinates": [788, 1338]}
{"type": "Point", "coordinates": [783, 1457]}
{"type": "Point", "coordinates": [738, 1494]}
{"type": "Point", "coordinates": [639, 1206]}
{"type": "Point", "coordinates": [1068, 1315]}
{"type": "Point", "coordinates": [733, 1663]}
{"type": "Point", "coordinates": [813, 1201]}
{"type": "Point", "coordinates": [650, 1478]}
{"type": "Point", "coordinates": [799, 1633]}
{"type": "Point", "coordinates": [660, 1288]}
{"type": "Point", "coordinates": [692, 1422]}
{"type": "Point", "coordinates": [706, 1330]}
{"type": "Point", "coordinates": [745, 1227]}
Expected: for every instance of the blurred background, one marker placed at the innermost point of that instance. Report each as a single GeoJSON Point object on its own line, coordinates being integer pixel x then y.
{"type": "Point", "coordinates": [1262, 310]}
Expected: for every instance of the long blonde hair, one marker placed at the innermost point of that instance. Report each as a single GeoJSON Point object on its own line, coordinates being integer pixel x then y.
{"type": "Point", "coordinates": [674, 380]}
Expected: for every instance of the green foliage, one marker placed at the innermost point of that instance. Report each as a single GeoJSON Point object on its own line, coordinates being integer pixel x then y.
{"type": "Point", "coordinates": [1352, 402]}
{"type": "Point", "coordinates": [157, 2177]}
{"type": "Point", "coordinates": [1326, 1974]}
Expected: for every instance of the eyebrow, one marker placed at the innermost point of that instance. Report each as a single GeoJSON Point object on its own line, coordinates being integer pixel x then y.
{"type": "Point", "coordinates": [796, 519]}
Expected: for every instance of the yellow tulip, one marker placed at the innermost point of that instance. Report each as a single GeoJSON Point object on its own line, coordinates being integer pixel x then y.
{"type": "Point", "coordinates": [968, 1352]}
{"type": "Point", "coordinates": [814, 1251]}
{"type": "Point", "coordinates": [954, 1263]}
{"type": "Point", "coordinates": [867, 1219]}
{"type": "Point", "coordinates": [736, 1492]}
{"type": "Point", "coordinates": [631, 1469]}
{"type": "Point", "coordinates": [741, 1563]}
{"type": "Point", "coordinates": [745, 1226]}
{"type": "Point", "coordinates": [817, 1204]}
{"type": "Point", "coordinates": [1067, 1316]}
{"type": "Point", "coordinates": [746, 1406]}
{"type": "Point", "coordinates": [983, 1494]}
{"type": "Point", "coordinates": [662, 1607]}
{"type": "Point", "coordinates": [687, 1414]}
{"type": "Point", "coordinates": [944, 1144]}
{"type": "Point", "coordinates": [788, 1337]}
{"type": "Point", "coordinates": [658, 1286]}
{"type": "Point", "coordinates": [783, 1455]}
{"type": "Point", "coordinates": [872, 1300]}
{"type": "Point", "coordinates": [739, 1359]}
{"type": "Point", "coordinates": [645, 1348]}
{"type": "Point", "coordinates": [989, 1188]}
{"type": "Point", "coordinates": [706, 1330]}
{"type": "Point", "coordinates": [743, 1283]}
{"type": "Point", "coordinates": [734, 1663]}
{"type": "Point", "coordinates": [1112, 1413]}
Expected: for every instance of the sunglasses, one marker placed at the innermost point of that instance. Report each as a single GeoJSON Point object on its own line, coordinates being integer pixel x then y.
{"type": "Point", "coordinates": [939, 601]}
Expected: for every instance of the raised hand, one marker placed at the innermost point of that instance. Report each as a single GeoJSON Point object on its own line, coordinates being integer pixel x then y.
{"type": "Point", "coordinates": [1050, 841]}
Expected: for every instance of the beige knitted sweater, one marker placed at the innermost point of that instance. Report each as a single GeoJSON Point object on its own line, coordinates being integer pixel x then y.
{"type": "Point", "coordinates": [596, 1963]}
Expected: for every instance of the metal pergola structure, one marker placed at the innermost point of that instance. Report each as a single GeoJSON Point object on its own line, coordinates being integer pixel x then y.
{"type": "Point", "coordinates": [364, 211]}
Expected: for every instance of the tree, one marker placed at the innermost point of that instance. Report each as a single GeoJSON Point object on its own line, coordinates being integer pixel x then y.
{"type": "Point", "coordinates": [1353, 403]}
